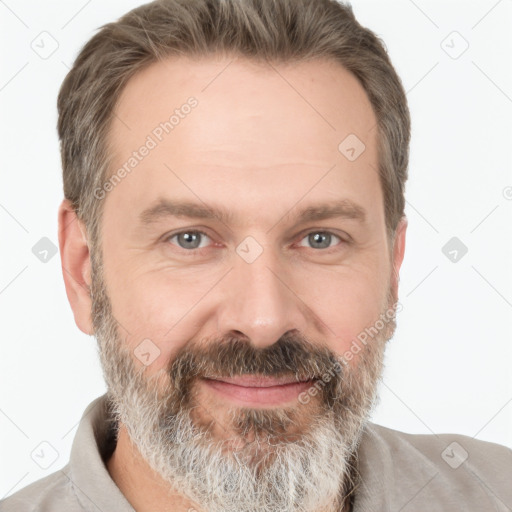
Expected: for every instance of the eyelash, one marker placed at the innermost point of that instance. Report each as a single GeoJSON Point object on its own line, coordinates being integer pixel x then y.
{"type": "Point", "coordinates": [198, 251]}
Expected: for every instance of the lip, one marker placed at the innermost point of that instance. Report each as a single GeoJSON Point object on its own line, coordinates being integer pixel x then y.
{"type": "Point", "coordinates": [256, 381]}
{"type": "Point", "coordinates": [257, 390]}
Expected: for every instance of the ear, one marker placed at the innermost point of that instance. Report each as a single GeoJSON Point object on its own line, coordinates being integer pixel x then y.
{"type": "Point", "coordinates": [76, 265]}
{"type": "Point", "coordinates": [398, 253]}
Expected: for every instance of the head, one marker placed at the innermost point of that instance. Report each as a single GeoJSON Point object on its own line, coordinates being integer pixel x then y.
{"type": "Point", "coordinates": [234, 177]}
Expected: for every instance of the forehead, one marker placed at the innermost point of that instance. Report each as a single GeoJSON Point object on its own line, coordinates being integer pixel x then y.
{"type": "Point", "coordinates": [325, 96]}
{"type": "Point", "coordinates": [256, 130]}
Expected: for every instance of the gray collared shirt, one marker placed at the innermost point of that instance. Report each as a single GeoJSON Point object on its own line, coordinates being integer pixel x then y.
{"type": "Point", "coordinates": [399, 472]}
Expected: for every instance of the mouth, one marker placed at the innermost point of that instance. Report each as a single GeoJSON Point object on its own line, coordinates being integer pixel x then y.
{"type": "Point", "coordinates": [254, 390]}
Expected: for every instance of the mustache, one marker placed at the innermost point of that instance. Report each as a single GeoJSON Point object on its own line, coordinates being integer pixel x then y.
{"type": "Point", "coordinates": [291, 356]}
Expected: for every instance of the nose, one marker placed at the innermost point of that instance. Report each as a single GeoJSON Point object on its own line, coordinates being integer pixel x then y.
{"type": "Point", "coordinates": [259, 301]}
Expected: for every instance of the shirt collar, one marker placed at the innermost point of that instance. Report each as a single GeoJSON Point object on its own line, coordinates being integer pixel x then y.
{"type": "Point", "coordinates": [93, 443]}
{"type": "Point", "coordinates": [392, 471]}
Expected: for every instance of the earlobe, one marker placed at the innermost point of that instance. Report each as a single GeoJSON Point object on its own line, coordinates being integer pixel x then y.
{"type": "Point", "coordinates": [398, 252]}
{"type": "Point", "coordinates": [76, 265]}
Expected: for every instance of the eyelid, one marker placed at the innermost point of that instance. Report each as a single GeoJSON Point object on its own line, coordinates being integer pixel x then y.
{"type": "Point", "coordinates": [342, 235]}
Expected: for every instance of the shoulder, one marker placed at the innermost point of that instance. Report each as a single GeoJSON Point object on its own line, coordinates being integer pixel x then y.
{"type": "Point", "coordinates": [451, 449]}
{"type": "Point", "coordinates": [466, 473]}
{"type": "Point", "coordinates": [53, 493]}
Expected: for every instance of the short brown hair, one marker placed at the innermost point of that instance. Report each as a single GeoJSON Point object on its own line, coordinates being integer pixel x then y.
{"type": "Point", "coordinates": [272, 30]}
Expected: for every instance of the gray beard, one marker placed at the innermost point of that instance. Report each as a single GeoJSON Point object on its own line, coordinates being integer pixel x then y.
{"type": "Point", "coordinates": [256, 467]}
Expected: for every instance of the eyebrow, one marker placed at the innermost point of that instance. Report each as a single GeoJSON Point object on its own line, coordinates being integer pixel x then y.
{"type": "Point", "coordinates": [164, 208]}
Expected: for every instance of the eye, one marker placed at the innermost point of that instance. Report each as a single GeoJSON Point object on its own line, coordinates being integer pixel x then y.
{"type": "Point", "coordinates": [321, 239]}
{"type": "Point", "coordinates": [195, 240]}
{"type": "Point", "coordinates": [190, 239]}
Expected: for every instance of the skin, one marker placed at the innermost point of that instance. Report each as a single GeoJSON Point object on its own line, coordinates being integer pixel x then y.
{"type": "Point", "coordinates": [262, 147]}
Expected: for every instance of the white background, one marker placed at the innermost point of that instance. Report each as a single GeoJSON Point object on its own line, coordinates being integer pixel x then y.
{"type": "Point", "coordinates": [448, 366]}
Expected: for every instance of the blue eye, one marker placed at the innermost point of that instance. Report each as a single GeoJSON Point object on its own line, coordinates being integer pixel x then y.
{"type": "Point", "coordinates": [189, 239]}
{"type": "Point", "coordinates": [320, 239]}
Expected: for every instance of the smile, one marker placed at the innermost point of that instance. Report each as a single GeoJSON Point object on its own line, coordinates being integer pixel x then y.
{"type": "Point", "coordinates": [257, 390]}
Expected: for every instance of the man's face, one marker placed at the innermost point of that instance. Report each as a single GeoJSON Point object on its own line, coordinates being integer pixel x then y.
{"type": "Point", "coordinates": [262, 145]}
{"type": "Point", "coordinates": [265, 291]}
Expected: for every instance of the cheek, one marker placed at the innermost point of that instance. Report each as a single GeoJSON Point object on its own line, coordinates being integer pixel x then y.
{"type": "Point", "coordinates": [157, 313]}
{"type": "Point", "coordinates": [347, 303]}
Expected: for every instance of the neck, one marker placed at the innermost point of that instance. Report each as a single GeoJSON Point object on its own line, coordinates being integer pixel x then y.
{"type": "Point", "coordinates": [144, 489]}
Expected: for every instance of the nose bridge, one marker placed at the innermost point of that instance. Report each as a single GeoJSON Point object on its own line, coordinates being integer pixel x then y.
{"type": "Point", "coordinates": [258, 302]}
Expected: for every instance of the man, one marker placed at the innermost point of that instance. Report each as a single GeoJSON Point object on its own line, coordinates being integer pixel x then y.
{"type": "Point", "coordinates": [232, 233]}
